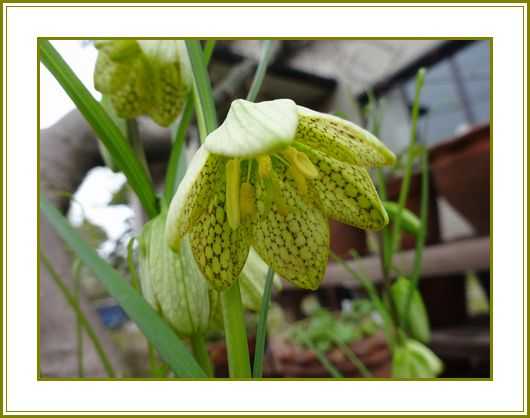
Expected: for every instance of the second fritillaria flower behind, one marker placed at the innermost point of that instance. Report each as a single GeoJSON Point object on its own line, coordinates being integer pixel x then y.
{"type": "Point", "coordinates": [270, 177]}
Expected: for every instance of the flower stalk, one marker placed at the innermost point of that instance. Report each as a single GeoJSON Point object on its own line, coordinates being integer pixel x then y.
{"type": "Point", "coordinates": [200, 352]}
{"type": "Point", "coordinates": [236, 334]}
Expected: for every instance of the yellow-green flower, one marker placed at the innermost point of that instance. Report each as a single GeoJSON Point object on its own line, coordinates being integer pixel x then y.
{"type": "Point", "coordinates": [174, 286]}
{"type": "Point", "coordinates": [143, 77]}
{"type": "Point", "coordinates": [171, 283]}
{"type": "Point", "coordinates": [270, 177]}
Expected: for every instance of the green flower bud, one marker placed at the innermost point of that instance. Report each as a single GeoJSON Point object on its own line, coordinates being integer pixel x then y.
{"type": "Point", "coordinates": [417, 319]}
{"type": "Point", "coordinates": [144, 77]}
{"type": "Point", "coordinates": [172, 283]}
{"type": "Point", "coordinates": [414, 360]}
{"type": "Point", "coordinates": [408, 220]}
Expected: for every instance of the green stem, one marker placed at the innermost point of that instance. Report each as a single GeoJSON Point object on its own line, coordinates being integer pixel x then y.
{"type": "Point", "coordinates": [70, 299]}
{"type": "Point", "coordinates": [135, 281]}
{"type": "Point", "coordinates": [261, 333]}
{"type": "Point", "coordinates": [235, 332]}
{"type": "Point", "coordinates": [176, 150]}
{"type": "Point", "coordinates": [403, 193]}
{"type": "Point", "coordinates": [200, 352]}
{"type": "Point", "coordinates": [133, 135]}
{"type": "Point", "coordinates": [355, 360]}
{"type": "Point", "coordinates": [105, 129]}
{"type": "Point", "coordinates": [172, 176]}
{"type": "Point", "coordinates": [78, 327]}
{"type": "Point", "coordinates": [266, 55]}
{"type": "Point", "coordinates": [328, 365]}
{"type": "Point", "coordinates": [369, 287]}
{"type": "Point", "coordinates": [422, 235]}
{"type": "Point", "coordinates": [205, 107]}
{"type": "Point", "coordinates": [234, 322]}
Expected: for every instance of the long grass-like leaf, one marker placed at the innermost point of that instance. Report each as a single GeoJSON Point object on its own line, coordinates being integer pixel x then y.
{"type": "Point", "coordinates": [328, 365]}
{"type": "Point", "coordinates": [354, 359]}
{"type": "Point", "coordinates": [171, 349]}
{"type": "Point", "coordinates": [76, 273]}
{"type": "Point", "coordinates": [261, 331]}
{"type": "Point", "coordinates": [174, 170]}
{"type": "Point", "coordinates": [205, 106]}
{"type": "Point", "coordinates": [422, 235]}
{"type": "Point", "coordinates": [234, 322]}
{"type": "Point", "coordinates": [105, 129]}
{"type": "Point", "coordinates": [83, 321]}
{"type": "Point", "coordinates": [266, 55]}
{"type": "Point", "coordinates": [405, 184]}
{"type": "Point", "coordinates": [370, 289]}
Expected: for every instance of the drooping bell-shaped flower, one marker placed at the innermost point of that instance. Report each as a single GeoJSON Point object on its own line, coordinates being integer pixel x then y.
{"type": "Point", "coordinates": [270, 177]}
{"type": "Point", "coordinates": [143, 77]}
{"type": "Point", "coordinates": [175, 287]}
{"type": "Point", "coordinates": [172, 283]}
{"type": "Point", "coordinates": [413, 313]}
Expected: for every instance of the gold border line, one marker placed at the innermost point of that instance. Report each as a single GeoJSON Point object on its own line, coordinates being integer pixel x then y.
{"type": "Point", "coordinates": [247, 6]}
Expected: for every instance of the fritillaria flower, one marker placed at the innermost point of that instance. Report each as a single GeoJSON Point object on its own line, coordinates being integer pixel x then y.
{"type": "Point", "coordinates": [270, 177]}
{"type": "Point", "coordinates": [144, 77]}
{"type": "Point", "coordinates": [171, 283]}
{"type": "Point", "coordinates": [174, 286]}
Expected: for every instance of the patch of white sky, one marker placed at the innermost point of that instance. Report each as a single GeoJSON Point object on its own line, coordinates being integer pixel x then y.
{"type": "Point", "coordinates": [97, 189]}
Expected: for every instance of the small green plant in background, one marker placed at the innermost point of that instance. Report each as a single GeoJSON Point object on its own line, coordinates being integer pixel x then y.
{"type": "Point", "coordinates": [401, 306]}
{"type": "Point", "coordinates": [264, 182]}
{"type": "Point", "coordinates": [324, 330]}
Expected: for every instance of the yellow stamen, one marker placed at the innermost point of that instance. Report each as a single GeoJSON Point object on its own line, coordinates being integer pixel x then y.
{"type": "Point", "coordinates": [299, 179]}
{"type": "Point", "coordinates": [301, 162]}
{"type": "Point", "coordinates": [264, 166]}
{"type": "Point", "coordinates": [233, 173]}
{"type": "Point", "coordinates": [278, 197]}
{"type": "Point", "coordinates": [247, 200]}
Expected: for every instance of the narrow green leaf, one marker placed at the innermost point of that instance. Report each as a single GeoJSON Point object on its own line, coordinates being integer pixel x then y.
{"type": "Point", "coordinates": [104, 127]}
{"type": "Point", "coordinates": [422, 235]}
{"type": "Point", "coordinates": [171, 349]}
{"type": "Point", "coordinates": [205, 107]}
{"type": "Point", "coordinates": [235, 331]}
{"type": "Point", "coordinates": [405, 184]}
{"type": "Point", "coordinates": [76, 274]}
{"type": "Point", "coordinates": [354, 359]}
{"type": "Point", "coordinates": [176, 150]}
{"type": "Point", "coordinates": [371, 290]}
{"type": "Point", "coordinates": [174, 170]}
{"type": "Point", "coordinates": [261, 332]}
{"type": "Point", "coordinates": [83, 321]}
{"type": "Point", "coordinates": [266, 55]}
{"type": "Point", "coordinates": [328, 365]}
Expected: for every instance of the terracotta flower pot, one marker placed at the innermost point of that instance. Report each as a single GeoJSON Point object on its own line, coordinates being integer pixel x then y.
{"type": "Point", "coordinates": [291, 360]}
{"type": "Point", "coordinates": [408, 241]}
{"type": "Point", "coordinates": [461, 170]}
